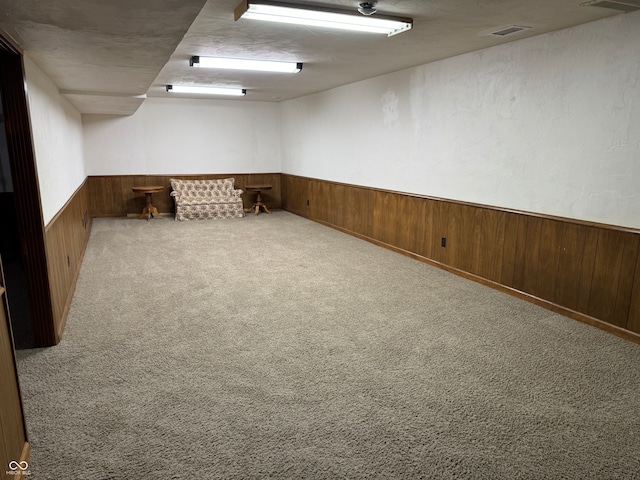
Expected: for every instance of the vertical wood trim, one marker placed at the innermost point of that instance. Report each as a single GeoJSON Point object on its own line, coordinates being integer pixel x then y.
{"type": "Point", "coordinates": [27, 197]}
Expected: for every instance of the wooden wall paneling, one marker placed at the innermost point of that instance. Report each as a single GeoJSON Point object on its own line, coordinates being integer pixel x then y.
{"type": "Point", "coordinates": [94, 193]}
{"type": "Point", "coordinates": [606, 277]}
{"type": "Point", "coordinates": [128, 201]}
{"type": "Point", "coordinates": [548, 259]}
{"type": "Point", "coordinates": [274, 196]}
{"type": "Point", "coordinates": [633, 321]}
{"type": "Point", "coordinates": [66, 237]}
{"type": "Point", "coordinates": [425, 242]}
{"type": "Point", "coordinates": [361, 217]}
{"type": "Point", "coordinates": [457, 238]}
{"type": "Point", "coordinates": [121, 201]}
{"type": "Point", "coordinates": [573, 267]}
{"type": "Point", "coordinates": [531, 247]}
{"type": "Point", "coordinates": [466, 230]}
{"type": "Point", "coordinates": [626, 279]}
{"type": "Point", "coordinates": [101, 197]}
{"type": "Point", "coordinates": [384, 217]}
{"type": "Point", "coordinates": [286, 192]}
{"type": "Point", "coordinates": [58, 270]}
{"type": "Point", "coordinates": [125, 200]}
{"type": "Point", "coordinates": [313, 209]}
{"type": "Point", "coordinates": [489, 239]}
{"type": "Point", "coordinates": [13, 435]}
{"type": "Point", "coordinates": [333, 203]}
{"type": "Point", "coordinates": [479, 245]}
{"type": "Point", "coordinates": [440, 230]}
{"type": "Point", "coordinates": [317, 206]}
{"type": "Point", "coordinates": [302, 189]}
{"type": "Point", "coordinates": [348, 208]}
{"type": "Point", "coordinates": [112, 195]}
{"type": "Point", "coordinates": [412, 227]}
{"type": "Point", "coordinates": [570, 257]}
{"type": "Point", "coordinates": [327, 191]}
{"type": "Point", "coordinates": [295, 194]}
{"type": "Point", "coordinates": [338, 205]}
{"type": "Point", "coordinates": [526, 258]}
{"type": "Point", "coordinates": [510, 275]}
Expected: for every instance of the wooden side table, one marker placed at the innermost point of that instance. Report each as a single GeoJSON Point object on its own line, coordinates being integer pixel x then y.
{"type": "Point", "coordinates": [149, 210]}
{"type": "Point", "coordinates": [258, 205]}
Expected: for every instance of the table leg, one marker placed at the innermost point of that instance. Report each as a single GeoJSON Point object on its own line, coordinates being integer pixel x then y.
{"type": "Point", "coordinates": [256, 206]}
{"type": "Point", "coordinates": [149, 210]}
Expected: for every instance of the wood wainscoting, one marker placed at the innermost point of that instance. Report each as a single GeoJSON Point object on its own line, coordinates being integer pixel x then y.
{"type": "Point", "coordinates": [66, 238]}
{"type": "Point", "coordinates": [587, 271]}
{"type": "Point", "coordinates": [111, 195]}
{"type": "Point", "coordinates": [14, 447]}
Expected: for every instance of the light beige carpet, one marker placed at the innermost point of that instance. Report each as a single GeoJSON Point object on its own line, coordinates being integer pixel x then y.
{"type": "Point", "coordinates": [274, 347]}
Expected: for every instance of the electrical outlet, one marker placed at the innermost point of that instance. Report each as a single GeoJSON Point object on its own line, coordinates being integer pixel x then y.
{"type": "Point", "coordinates": [443, 242]}
{"type": "Point", "coordinates": [307, 203]}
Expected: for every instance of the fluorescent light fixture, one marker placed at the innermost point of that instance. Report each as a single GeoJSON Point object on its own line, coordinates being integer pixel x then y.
{"type": "Point", "coordinates": [242, 64]}
{"type": "Point", "coordinates": [321, 17]}
{"type": "Point", "coordinates": [237, 92]}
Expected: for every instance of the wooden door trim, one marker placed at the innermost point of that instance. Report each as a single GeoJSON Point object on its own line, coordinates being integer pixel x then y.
{"type": "Point", "coordinates": [26, 192]}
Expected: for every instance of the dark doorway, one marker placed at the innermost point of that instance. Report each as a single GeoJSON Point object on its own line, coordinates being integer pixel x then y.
{"type": "Point", "coordinates": [14, 275]}
{"type": "Point", "coordinates": [32, 320]}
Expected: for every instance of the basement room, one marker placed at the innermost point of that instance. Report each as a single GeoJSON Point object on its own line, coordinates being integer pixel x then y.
{"type": "Point", "coordinates": [332, 239]}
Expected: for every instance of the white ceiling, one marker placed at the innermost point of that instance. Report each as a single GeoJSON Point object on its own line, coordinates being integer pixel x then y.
{"type": "Point", "coordinates": [105, 56]}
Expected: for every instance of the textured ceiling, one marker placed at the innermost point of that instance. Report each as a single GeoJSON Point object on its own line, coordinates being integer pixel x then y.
{"type": "Point", "coordinates": [105, 56]}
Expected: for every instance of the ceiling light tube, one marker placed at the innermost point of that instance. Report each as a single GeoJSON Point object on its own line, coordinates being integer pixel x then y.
{"type": "Point", "coordinates": [272, 11]}
{"type": "Point", "coordinates": [237, 92]}
{"type": "Point", "coordinates": [243, 64]}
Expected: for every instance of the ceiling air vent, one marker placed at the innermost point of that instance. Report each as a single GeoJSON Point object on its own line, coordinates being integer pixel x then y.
{"type": "Point", "coordinates": [506, 31]}
{"type": "Point", "coordinates": [621, 6]}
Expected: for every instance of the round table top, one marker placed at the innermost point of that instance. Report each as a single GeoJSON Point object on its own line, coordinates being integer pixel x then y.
{"type": "Point", "coordinates": [148, 189]}
{"type": "Point", "coordinates": [261, 186]}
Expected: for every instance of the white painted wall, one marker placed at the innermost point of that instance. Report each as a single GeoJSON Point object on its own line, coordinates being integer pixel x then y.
{"type": "Point", "coordinates": [57, 137]}
{"type": "Point", "coordinates": [185, 136]}
{"type": "Point", "coordinates": [549, 124]}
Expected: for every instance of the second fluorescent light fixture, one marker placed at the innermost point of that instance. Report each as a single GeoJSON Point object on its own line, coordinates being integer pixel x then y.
{"type": "Point", "coordinates": [236, 92]}
{"type": "Point", "coordinates": [321, 17]}
{"type": "Point", "coordinates": [242, 64]}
